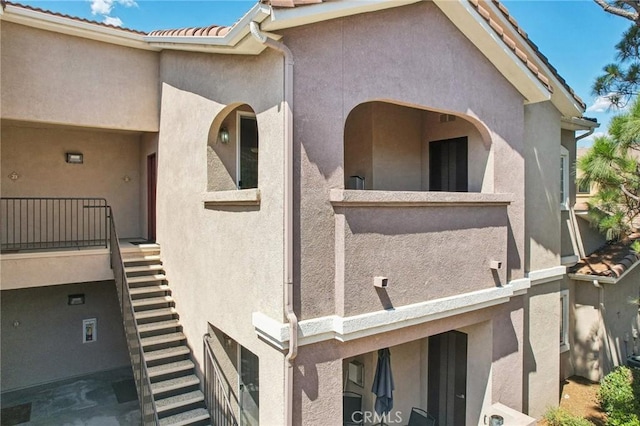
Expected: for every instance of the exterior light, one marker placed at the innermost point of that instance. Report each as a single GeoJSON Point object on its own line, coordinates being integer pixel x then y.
{"type": "Point", "coordinates": [75, 158]}
{"type": "Point", "coordinates": [223, 135]}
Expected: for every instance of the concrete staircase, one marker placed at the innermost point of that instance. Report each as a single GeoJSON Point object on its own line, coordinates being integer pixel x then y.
{"type": "Point", "coordinates": [174, 385]}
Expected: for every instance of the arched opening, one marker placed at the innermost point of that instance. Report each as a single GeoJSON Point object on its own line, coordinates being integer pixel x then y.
{"type": "Point", "coordinates": [232, 149]}
{"type": "Point", "coordinates": [392, 147]}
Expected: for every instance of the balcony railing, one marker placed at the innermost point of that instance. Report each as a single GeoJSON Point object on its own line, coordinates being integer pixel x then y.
{"type": "Point", "coordinates": [52, 223]}
{"type": "Point", "coordinates": [149, 415]}
{"type": "Point", "coordinates": [217, 390]}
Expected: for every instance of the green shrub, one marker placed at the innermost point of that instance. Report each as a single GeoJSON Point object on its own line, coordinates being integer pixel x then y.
{"type": "Point", "coordinates": [618, 396]}
{"type": "Point", "coordinates": [561, 417]}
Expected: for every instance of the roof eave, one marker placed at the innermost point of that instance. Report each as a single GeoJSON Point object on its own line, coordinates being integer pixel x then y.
{"type": "Point", "coordinates": [578, 123]}
{"type": "Point", "coordinates": [604, 280]}
{"type": "Point", "coordinates": [504, 59]}
{"type": "Point", "coordinates": [236, 41]}
{"type": "Point", "coordinates": [564, 101]}
{"type": "Point", "coordinates": [64, 25]}
{"type": "Point", "coordinates": [282, 18]}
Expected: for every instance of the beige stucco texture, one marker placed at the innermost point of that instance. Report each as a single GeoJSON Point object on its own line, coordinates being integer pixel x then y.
{"type": "Point", "coordinates": [331, 86]}
{"type": "Point", "coordinates": [55, 78]}
{"type": "Point", "coordinates": [605, 325]}
{"type": "Point", "coordinates": [37, 155]}
{"type": "Point", "coordinates": [246, 275]}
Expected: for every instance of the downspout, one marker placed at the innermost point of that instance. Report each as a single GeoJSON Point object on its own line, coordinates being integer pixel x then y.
{"type": "Point", "coordinates": [602, 326]}
{"type": "Point", "coordinates": [287, 214]}
{"type": "Point", "coordinates": [584, 135]}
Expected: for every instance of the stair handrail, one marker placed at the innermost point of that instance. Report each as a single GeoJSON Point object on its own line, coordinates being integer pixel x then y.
{"type": "Point", "coordinates": [224, 417]}
{"type": "Point", "coordinates": [148, 410]}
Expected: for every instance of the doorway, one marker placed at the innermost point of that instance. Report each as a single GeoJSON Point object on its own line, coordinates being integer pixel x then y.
{"type": "Point", "coordinates": [448, 165]}
{"type": "Point", "coordinates": [152, 171]}
{"type": "Point", "coordinates": [447, 375]}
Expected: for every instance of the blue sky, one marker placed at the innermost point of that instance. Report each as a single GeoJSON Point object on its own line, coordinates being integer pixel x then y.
{"type": "Point", "coordinates": [576, 35]}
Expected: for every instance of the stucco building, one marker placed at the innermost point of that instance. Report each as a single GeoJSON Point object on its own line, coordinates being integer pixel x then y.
{"type": "Point", "coordinates": [322, 180]}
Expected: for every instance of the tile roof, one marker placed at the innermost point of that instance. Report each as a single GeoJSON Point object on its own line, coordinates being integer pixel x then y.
{"type": "Point", "coordinates": [4, 3]}
{"type": "Point", "coordinates": [497, 28]}
{"type": "Point", "coordinates": [210, 31]}
{"type": "Point", "coordinates": [289, 3]}
{"type": "Point", "coordinates": [612, 260]}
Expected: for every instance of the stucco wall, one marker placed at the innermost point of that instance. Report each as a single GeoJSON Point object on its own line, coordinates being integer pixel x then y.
{"type": "Point", "coordinates": [542, 166]}
{"type": "Point", "coordinates": [604, 338]}
{"type": "Point", "coordinates": [37, 155]}
{"type": "Point", "coordinates": [42, 334]}
{"type": "Point", "coordinates": [55, 78]}
{"type": "Point", "coordinates": [591, 238]}
{"type": "Point", "coordinates": [329, 83]}
{"type": "Point", "coordinates": [542, 348]}
{"type": "Point", "coordinates": [223, 262]}
{"type": "Point", "coordinates": [493, 367]}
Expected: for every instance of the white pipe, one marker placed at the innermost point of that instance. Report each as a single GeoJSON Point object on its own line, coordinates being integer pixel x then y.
{"type": "Point", "coordinates": [287, 214]}
{"type": "Point", "coordinates": [584, 135]}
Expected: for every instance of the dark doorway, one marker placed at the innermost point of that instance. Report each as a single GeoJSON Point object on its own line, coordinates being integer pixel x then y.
{"type": "Point", "coordinates": [448, 378]}
{"type": "Point", "coordinates": [448, 165]}
{"type": "Point", "coordinates": [152, 168]}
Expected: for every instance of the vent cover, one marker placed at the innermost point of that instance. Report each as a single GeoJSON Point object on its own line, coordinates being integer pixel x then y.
{"type": "Point", "coordinates": [446, 118]}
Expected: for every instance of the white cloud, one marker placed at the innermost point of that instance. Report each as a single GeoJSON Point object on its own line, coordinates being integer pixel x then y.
{"type": "Point", "coordinates": [101, 7]}
{"type": "Point", "coordinates": [603, 104]}
{"type": "Point", "coordinates": [113, 20]}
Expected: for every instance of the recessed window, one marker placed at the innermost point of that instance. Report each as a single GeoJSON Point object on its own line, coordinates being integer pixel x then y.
{"type": "Point", "coordinates": [247, 151]}
{"type": "Point", "coordinates": [584, 188]}
{"type": "Point", "coordinates": [564, 320]}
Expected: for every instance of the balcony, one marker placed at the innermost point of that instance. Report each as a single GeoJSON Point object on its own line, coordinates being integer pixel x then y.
{"type": "Point", "coordinates": [429, 245]}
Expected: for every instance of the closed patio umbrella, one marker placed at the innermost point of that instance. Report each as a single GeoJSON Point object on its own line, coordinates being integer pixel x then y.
{"type": "Point", "coordinates": [383, 383]}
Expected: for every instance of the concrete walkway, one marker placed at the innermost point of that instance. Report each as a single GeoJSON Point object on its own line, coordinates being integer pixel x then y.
{"type": "Point", "coordinates": [101, 399]}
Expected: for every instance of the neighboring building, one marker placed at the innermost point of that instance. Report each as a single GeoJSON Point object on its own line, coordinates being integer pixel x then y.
{"type": "Point", "coordinates": [600, 296]}
{"type": "Point", "coordinates": [408, 199]}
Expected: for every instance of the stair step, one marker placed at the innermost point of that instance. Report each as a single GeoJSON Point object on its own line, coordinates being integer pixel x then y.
{"type": "Point", "coordinates": [166, 353]}
{"type": "Point", "coordinates": [171, 367]}
{"type": "Point", "coordinates": [162, 338]}
{"type": "Point", "coordinates": [138, 259]}
{"type": "Point", "coordinates": [155, 313]}
{"type": "Point", "coordinates": [148, 289]}
{"type": "Point", "coordinates": [151, 301]}
{"type": "Point", "coordinates": [159, 325]}
{"type": "Point", "coordinates": [178, 401]}
{"type": "Point", "coordinates": [146, 278]}
{"type": "Point", "coordinates": [174, 384]}
{"type": "Point", "coordinates": [186, 418]}
{"type": "Point", "coordinates": [143, 268]}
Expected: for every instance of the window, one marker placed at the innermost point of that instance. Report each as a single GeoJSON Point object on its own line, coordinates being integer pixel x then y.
{"type": "Point", "coordinates": [584, 188]}
{"type": "Point", "coordinates": [564, 178]}
{"type": "Point", "coordinates": [448, 165]}
{"type": "Point", "coordinates": [247, 155]}
{"type": "Point", "coordinates": [564, 320]}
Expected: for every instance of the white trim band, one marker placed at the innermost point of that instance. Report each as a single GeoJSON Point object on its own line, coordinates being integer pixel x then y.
{"type": "Point", "coordinates": [349, 328]}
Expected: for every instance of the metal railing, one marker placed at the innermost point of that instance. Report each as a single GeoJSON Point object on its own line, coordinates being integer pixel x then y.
{"type": "Point", "coordinates": [149, 414]}
{"type": "Point", "coordinates": [217, 390]}
{"type": "Point", "coordinates": [52, 223]}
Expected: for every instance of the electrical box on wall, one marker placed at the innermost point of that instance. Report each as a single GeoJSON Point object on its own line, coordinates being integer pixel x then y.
{"type": "Point", "coordinates": [89, 330]}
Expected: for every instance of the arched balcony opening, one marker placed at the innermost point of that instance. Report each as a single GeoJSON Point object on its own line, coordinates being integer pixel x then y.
{"type": "Point", "coordinates": [393, 147]}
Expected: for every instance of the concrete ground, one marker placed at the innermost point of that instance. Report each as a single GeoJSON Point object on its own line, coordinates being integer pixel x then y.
{"type": "Point", "coordinates": [100, 399]}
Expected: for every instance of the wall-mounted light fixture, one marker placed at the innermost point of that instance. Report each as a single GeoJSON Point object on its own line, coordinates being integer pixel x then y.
{"type": "Point", "coordinates": [14, 176]}
{"type": "Point", "coordinates": [75, 299]}
{"type": "Point", "coordinates": [223, 135]}
{"type": "Point", "coordinates": [74, 158]}
{"type": "Point", "coordinates": [126, 179]}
